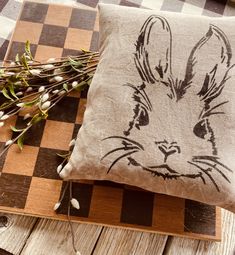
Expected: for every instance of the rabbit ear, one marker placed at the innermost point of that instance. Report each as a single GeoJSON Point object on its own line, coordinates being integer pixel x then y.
{"type": "Point", "coordinates": [208, 65]}
{"type": "Point", "coordinates": [154, 65]}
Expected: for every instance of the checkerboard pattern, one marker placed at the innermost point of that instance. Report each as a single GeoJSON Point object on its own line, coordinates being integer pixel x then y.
{"type": "Point", "coordinates": [9, 10]}
{"type": "Point", "coordinates": [29, 183]}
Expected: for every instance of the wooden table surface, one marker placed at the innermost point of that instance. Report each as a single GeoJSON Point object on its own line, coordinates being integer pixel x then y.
{"type": "Point", "coordinates": [33, 236]}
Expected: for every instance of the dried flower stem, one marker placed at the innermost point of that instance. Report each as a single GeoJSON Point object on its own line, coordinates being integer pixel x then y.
{"type": "Point", "coordinates": [38, 87]}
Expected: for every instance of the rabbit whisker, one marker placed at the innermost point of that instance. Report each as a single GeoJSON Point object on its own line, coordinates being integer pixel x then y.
{"type": "Point", "coordinates": [119, 158]}
{"type": "Point", "coordinates": [205, 171]}
{"type": "Point", "coordinates": [214, 167]}
{"type": "Point", "coordinates": [212, 159]}
{"type": "Point", "coordinates": [126, 139]}
{"type": "Point", "coordinates": [126, 148]}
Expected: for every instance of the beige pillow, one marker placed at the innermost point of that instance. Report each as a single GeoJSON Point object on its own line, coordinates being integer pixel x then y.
{"type": "Point", "coordinates": [161, 107]}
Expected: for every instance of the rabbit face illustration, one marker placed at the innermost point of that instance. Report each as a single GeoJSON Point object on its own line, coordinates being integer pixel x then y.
{"type": "Point", "coordinates": [168, 156]}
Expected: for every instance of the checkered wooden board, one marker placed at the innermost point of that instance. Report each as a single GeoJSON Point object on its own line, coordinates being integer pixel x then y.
{"type": "Point", "coordinates": [29, 183]}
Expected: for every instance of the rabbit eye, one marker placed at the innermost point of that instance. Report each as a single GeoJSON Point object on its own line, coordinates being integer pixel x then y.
{"type": "Point", "coordinates": [143, 118]}
{"type": "Point", "coordinates": [202, 128]}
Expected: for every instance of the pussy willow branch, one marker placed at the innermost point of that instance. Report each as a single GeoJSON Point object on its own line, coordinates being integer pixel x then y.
{"type": "Point", "coordinates": [36, 87]}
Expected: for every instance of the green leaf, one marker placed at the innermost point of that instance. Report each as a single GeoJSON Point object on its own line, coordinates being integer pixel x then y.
{"type": "Point", "coordinates": [12, 91]}
{"type": "Point", "coordinates": [38, 117]}
{"type": "Point", "coordinates": [85, 51]}
{"type": "Point", "coordinates": [75, 63]}
{"type": "Point", "coordinates": [89, 81]}
{"type": "Point", "coordinates": [63, 155]}
{"type": "Point", "coordinates": [14, 129]}
{"type": "Point", "coordinates": [25, 82]}
{"type": "Point", "coordinates": [31, 103]}
{"type": "Point", "coordinates": [81, 86]}
{"type": "Point", "coordinates": [20, 142]}
{"type": "Point", "coordinates": [65, 86]}
{"type": "Point", "coordinates": [77, 70]}
{"type": "Point", "coordinates": [5, 93]}
{"type": "Point", "coordinates": [17, 58]}
{"type": "Point", "coordinates": [24, 61]}
{"type": "Point", "coordinates": [27, 49]}
{"type": "Point", "coordinates": [5, 104]}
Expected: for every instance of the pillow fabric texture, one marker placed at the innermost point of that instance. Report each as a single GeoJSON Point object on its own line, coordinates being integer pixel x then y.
{"type": "Point", "coordinates": [160, 112]}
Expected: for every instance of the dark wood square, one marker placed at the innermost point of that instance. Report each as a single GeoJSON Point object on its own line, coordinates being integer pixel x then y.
{"type": "Point", "coordinates": [2, 4]}
{"type": "Point", "coordinates": [83, 193]}
{"type": "Point", "coordinates": [94, 41]}
{"type": "Point", "coordinates": [91, 3]}
{"type": "Point", "coordinates": [216, 6]}
{"type": "Point", "coordinates": [84, 93]}
{"type": "Point", "coordinates": [3, 49]}
{"type": "Point", "coordinates": [53, 36]}
{"type": "Point", "coordinates": [137, 207]}
{"type": "Point", "coordinates": [19, 47]}
{"type": "Point", "coordinates": [130, 4]}
{"type": "Point", "coordinates": [47, 163]}
{"type": "Point", "coordinates": [3, 157]}
{"type": "Point", "coordinates": [34, 136]}
{"type": "Point", "coordinates": [82, 19]}
{"type": "Point", "coordinates": [69, 52]}
{"type": "Point", "coordinates": [75, 131]}
{"type": "Point", "coordinates": [199, 218]}
{"type": "Point", "coordinates": [14, 190]}
{"type": "Point", "coordinates": [58, 112]}
{"type": "Point", "coordinates": [109, 184]}
{"type": "Point", "coordinates": [34, 12]}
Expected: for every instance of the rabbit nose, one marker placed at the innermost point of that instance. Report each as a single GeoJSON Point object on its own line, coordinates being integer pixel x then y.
{"type": "Point", "coordinates": [168, 149]}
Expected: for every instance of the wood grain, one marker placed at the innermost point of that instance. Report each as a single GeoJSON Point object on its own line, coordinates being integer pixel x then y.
{"type": "Point", "coordinates": [180, 246]}
{"type": "Point", "coordinates": [227, 246]}
{"type": "Point", "coordinates": [14, 235]}
{"type": "Point", "coordinates": [125, 242]}
{"type": "Point", "coordinates": [54, 238]}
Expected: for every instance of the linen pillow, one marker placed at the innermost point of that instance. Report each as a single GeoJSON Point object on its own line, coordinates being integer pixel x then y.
{"type": "Point", "coordinates": [161, 107]}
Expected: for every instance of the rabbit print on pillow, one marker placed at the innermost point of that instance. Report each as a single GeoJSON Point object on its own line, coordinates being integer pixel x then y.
{"type": "Point", "coordinates": [161, 107]}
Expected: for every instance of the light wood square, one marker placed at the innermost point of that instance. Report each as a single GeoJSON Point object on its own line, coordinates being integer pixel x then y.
{"type": "Point", "coordinates": [55, 11]}
{"type": "Point", "coordinates": [21, 162]}
{"type": "Point", "coordinates": [168, 213]}
{"type": "Point", "coordinates": [43, 53]}
{"type": "Point", "coordinates": [57, 135]}
{"type": "Point", "coordinates": [81, 110]}
{"type": "Point", "coordinates": [77, 39]}
{"type": "Point", "coordinates": [110, 200]}
{"type": "Point", "coordinates": [27, 31]}
{"type": "Point", "coordinates": [43, 195]}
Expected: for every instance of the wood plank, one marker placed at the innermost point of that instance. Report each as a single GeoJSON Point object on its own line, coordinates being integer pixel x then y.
{"type": "Point", "coordinates": [180, 246]}
{"type": "Point", "coordinates": [54, 237]}
{"type": "Point", "coordinates": [15, 233]}
{"type": "Point", "coordinates": [125, 242]}
{"type": "Point", "coordinates": [227, 246]}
